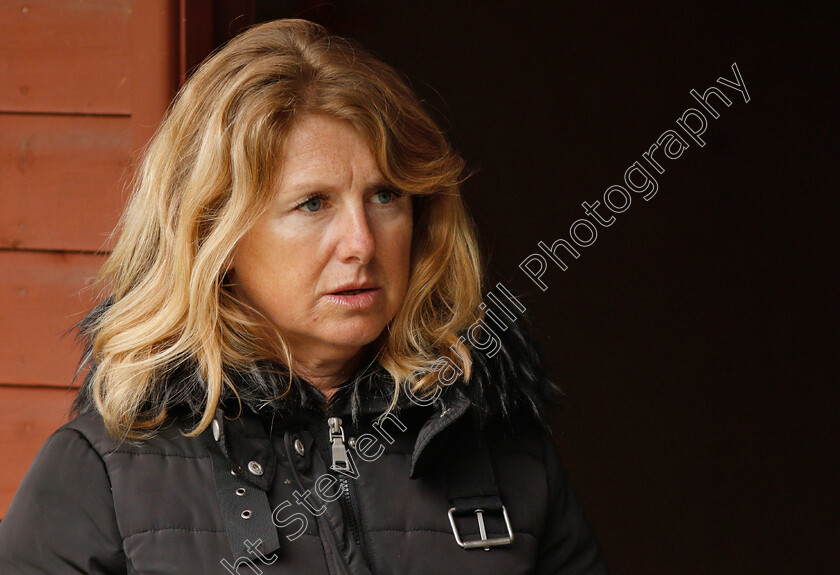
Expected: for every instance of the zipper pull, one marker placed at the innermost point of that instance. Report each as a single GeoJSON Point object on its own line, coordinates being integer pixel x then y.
{"type": "Point", "coordinates": [340, 460]}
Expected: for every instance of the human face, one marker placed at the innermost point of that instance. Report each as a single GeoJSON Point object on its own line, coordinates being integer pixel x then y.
{"type": "Point", "coordinates": [331, 227]}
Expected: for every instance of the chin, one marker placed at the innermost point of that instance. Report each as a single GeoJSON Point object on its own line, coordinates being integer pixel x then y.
{"type": "Point", "coordinates": [357, 335]}
{"type": "Point", "coordinates": [359, 340]}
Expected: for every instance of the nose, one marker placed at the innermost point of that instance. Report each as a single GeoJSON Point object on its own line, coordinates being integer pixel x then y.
{"type": "Point", "coordinates": [356, 241]}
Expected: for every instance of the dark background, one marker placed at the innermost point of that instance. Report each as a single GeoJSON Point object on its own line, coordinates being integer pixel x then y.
{"type": "Point", "coordinates": [696, 339]}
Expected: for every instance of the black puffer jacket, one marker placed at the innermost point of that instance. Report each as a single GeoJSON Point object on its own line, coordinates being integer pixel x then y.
{"type": "Point", "coordinates": [264, 493]}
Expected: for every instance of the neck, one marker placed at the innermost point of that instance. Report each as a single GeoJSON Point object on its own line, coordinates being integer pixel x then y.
{"type": "Point", "coordinates": [327, 373]}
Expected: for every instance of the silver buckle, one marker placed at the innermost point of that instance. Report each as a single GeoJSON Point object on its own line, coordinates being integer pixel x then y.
{"type": "Point", "coordinates": [483, 542]}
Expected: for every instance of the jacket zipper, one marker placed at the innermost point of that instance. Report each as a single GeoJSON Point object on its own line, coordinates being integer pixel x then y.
{"type": "Point", "coordinates": [323, 523]}
{"type": "Point", "coordinates": [341, 463]}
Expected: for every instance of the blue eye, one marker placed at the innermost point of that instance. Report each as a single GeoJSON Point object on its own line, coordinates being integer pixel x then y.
{"type": "Point", "coordinates": [386, 196]}
{"type": "Point", "coordinates": [311, 204]}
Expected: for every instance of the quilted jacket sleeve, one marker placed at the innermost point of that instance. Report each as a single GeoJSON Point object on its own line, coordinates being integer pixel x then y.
{"type": "Point", "coordinates": [62, 519]}
{"type": "Point", "coordinates": [568, 545]}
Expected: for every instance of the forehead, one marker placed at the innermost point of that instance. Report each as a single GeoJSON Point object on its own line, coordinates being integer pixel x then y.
{"type": "Point", "coordinates": [325, 150]}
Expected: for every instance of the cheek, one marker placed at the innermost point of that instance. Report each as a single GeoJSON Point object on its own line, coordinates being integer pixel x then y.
{"type": "Point", "coordinates": [400, 253]}
{"type": "Point", "coordinates": [263, 264]}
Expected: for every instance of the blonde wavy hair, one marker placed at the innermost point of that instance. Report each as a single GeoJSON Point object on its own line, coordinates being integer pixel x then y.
{"type": "Point", "coordinates": [208, 174]}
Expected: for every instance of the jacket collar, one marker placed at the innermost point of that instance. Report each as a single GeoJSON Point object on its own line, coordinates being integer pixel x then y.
{"type": "Point", "coordinates": [245, 441]}
{"type": "Point", "coordinates": [509, 387]}
{"type": "Point", "coordinates": [244, 438]}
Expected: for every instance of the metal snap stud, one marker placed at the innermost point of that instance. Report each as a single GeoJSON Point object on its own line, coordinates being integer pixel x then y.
{"type": "Point", "coordinates": [233, 472]}
{"type": "Point", "coordinates": [301, 450]}
{"type": "Point", "coordinates": [240, 492]}
{"type": "Point", "coordinates": [351, 441]}
{"type": "Point", "coordinates": [255, 468]}
{"type": "Point", "coordinates": [246, 514]}
{"type": "Point", "coordinates": [217, 432]}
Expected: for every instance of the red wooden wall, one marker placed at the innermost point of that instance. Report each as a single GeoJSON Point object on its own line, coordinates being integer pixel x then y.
{"type": "Point", "coordinates": [83, 85]}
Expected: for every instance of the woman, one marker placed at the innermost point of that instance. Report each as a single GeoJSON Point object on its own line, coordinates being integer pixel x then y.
{"type": "Point", "coordinates": [293, 371]}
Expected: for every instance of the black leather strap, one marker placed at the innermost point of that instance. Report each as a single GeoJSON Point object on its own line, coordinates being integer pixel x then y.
{"type": "Point", "coordinates": [471, 483]}
{"type": "Point", "coordinates": [246, 512]}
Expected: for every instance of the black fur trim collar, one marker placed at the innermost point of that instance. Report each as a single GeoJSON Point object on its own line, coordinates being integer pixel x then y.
{"type": "Point", "coordinates": [507, 388]}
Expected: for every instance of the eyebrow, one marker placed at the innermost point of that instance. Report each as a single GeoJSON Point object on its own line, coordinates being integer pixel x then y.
{"type": "Point", "coordinates": [316, 185]}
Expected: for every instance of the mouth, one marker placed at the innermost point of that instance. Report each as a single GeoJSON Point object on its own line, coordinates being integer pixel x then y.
{"type": "Point", "coordinates": [352, 291]}
{"type": "Point", "coordinates": [357, 298]}
{"type": "Point", "coordinates": [354, 288]}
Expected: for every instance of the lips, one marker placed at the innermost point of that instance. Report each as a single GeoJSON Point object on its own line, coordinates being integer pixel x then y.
{"type": "Point", "coordinates": [353, 289]}
{"type": "Point", "coordinates": [356, 299]}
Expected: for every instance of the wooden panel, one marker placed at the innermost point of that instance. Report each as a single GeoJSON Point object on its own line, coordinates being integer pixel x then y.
{"type": "Point", "coordinates": [60, 180]}
{"type": "Point", "coordinates": [154, 64]}
{"type": "Point", "coordinates": [195, 35]}
{"type": "Point", "coordinates": [27, 417]}
{"type": "Point", "coordinates": [65, 56]}
{"type": "Point", "coordinates": [40, 300]}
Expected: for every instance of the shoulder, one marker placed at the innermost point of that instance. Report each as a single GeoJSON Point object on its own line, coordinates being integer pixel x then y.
{"type": "Point", "coordinates": [155, 485]}
{"type": "Point", "coordinates": [538, 492]}
{"type": "Point", "coordinates": [84, 449]}
{"type": "Point", "coordinates": [535, 442]}
{"type": "Point", "coordinates": [508, 383]}
{"type": "Point", "coordinates": [107, 500]}
{"type": "Point", "coordinates": [168, 440]}
{"type": "Point", "coordinates": [68, 483]}
{"type": "Point", "coordinates": [528, 457]}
